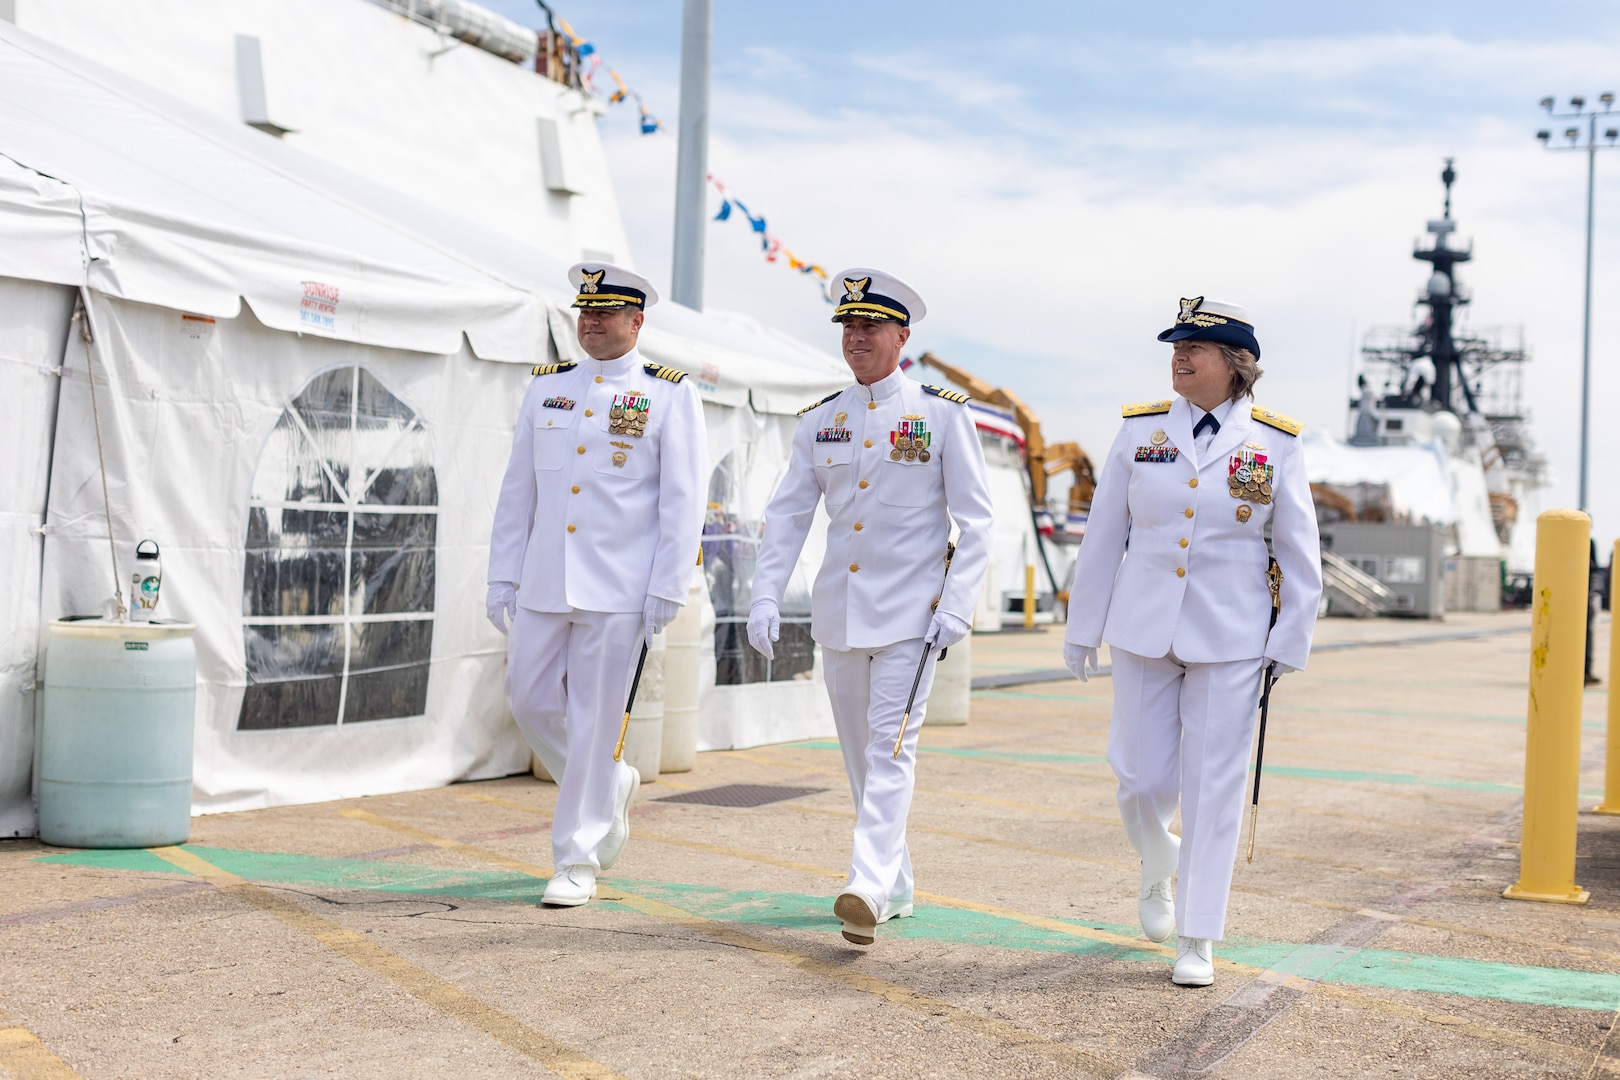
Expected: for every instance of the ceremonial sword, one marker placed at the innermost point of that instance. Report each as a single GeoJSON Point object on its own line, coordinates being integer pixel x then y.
{"type": "Point", "coordinates": [1274, 583]}
{"type": "Point", "coordinates": [624, 727]}
{"type": "Point", "coordinates": [905, 721]}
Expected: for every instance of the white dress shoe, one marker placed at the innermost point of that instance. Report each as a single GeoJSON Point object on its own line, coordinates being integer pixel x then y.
{"type": "Point", "coordinates": [1156, 907]}
{"type": "Point", "coordinates": [570, 887]}
{"type": "Point", "coordinates": [901, 910]}
{"type": "Point", "coordinates": [607, 853]}
{"type": "Point", "coordinates": [1195, 962]}
{"type": "Point", "coordinates": [859, 916]}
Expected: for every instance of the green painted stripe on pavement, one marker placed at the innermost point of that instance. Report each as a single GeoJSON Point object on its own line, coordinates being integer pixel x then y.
{"type": "Point", "coordinates": [1556, 987]}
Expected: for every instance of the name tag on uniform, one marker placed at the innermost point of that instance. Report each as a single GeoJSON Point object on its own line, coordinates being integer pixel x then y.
{"type": "Point", "coordinates": [558, 403]}
{"type": "Point", "coordinates": [1157, 453]}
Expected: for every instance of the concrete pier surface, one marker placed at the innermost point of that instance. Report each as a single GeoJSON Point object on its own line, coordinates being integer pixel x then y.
{"type": "Point", "coordinates": [401, 936]}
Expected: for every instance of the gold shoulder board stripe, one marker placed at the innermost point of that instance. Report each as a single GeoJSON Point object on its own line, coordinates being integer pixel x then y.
{"type": "Point", "coordinates": [552, 369]}
{"type": "Point", "coordinates": [819, 404]}
{"type": "Point", "coordinates": [669, 374]}
{"type": "Point", "coordinates": [948, 395]}
{"type": "Point", "coordinates": [1145, 408]}
{"type": "Point", "coordinates": [1277, 420]}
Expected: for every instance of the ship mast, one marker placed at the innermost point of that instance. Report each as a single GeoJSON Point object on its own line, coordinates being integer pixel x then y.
{"type": "Point", "coordinates": [1442, 298]}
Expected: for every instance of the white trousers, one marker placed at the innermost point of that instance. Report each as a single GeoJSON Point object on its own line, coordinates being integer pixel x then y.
{"type": "Point", "coordinates": [567, 677]}
{"type": "Point", "coordinates": [1181, 733]}
{"type": "Point", "coordinates": [868, 688]}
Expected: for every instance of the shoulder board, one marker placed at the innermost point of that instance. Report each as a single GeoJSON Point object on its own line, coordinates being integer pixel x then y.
{"type": "Point", "coordinates": [948, 395]}
{"type": "Point", "coordinates": [1277, 420]}
{"type": "Point", "coordinates": [658, 371]}
{"type": "Point", "coordinates": [552, 369]}
{"type": "Point", "coordinates": [1146, 408]}
{"type": "Point", "coordinates": [819, 404]}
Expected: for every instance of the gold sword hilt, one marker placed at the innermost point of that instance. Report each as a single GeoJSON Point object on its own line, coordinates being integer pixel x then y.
{"type": "Point", "coordinates": [624, 729]}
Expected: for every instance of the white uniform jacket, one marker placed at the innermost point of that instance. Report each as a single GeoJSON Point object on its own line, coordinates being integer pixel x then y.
{"type": "Point", "coordinates": [1172, 560]}
{"type": "Point", "coordinates": [891, 520]}
{"type": "Point", "coordinates": [593, 519]}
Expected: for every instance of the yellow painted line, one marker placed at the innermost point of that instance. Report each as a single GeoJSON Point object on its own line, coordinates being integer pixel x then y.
{"type": "Point", "coordinates": [446, 997]}
{"type": "Point", "coordinates": [1000, 1031]}
{"type": "Point", "coordinates": [24, 1057]}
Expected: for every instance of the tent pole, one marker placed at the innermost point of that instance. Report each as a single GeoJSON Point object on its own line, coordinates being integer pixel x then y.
{"type": "Point", "coordinates": [692, 157]}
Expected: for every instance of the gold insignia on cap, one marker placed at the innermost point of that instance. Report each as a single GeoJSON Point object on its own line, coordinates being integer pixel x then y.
{"type": "Point", "coordinates": [857, 289]}
{"type": "Point", "coordinates": [1188, 307]}
{"type": "Point", "coordinates": [590, 281]}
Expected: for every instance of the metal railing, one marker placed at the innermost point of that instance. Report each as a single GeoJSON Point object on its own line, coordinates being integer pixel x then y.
{"type": "Point", "coordinates": [1353, 591]}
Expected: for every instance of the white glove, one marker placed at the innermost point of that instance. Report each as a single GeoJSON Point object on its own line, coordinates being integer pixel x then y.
{"type": "Point", "coordinates": [501, 604]}
{"type": "Point", "coordinates": [946, 630]}
{"type": "Point", "coordinates": [1079, 659]}
{"type": "Point", "coordinates": [1282, 668]}
{"type": "Point", "coordinates": [658, 613]}
{"type": "Point", "coordinates": [764, 627]}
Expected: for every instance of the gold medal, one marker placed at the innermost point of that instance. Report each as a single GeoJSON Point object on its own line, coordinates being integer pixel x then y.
{"type": "Point", "coordinates": [1265, 489]}
{"type": "Point", "coordinates": [1159, 438]}
{"type": "Point", "coordinates": [1244, 511]}
{"type": "Point", "coordinates": [617, 412]}
{"type": "Point", "coordinates": [911, 455]}
{"type": "Point", "coordinates": [902, 442]}
{"type": "Point", "coordinates": [923, 455]}
{"type": "Point", "coordinates": [896, 454]}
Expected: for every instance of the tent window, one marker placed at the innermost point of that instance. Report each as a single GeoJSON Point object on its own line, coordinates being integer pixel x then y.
{"type": "Point", "coordinates": [339, 581]}
{"type": "Point", "coordinates": [731, 533]}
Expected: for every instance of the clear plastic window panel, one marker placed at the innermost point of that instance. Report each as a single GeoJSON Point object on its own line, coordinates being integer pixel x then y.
{"type": "Point", "coordinates": [339, 573]}
{"type": "Point", "coordinates": [731, 535]}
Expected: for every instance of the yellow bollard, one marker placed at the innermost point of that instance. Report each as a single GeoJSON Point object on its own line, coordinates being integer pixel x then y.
{"type": "Point", "coordinates": [1611, 767]}
{"type": "Point", "coordinates": [1029, 596]}
{"type": "Point", "coordinates": [1552, 752]}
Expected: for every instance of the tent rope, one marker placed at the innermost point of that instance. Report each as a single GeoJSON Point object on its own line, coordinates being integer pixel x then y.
{"type": "Point", "coordinates": [83, 316]}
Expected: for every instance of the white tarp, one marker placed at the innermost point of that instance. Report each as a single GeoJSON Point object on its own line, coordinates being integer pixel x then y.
{"type": "Point", "coordinates": [248, 452]}
{"type": "Point", "coordinates": [35, 320]}
{"type": "Point", "coordinates": [326, 669]}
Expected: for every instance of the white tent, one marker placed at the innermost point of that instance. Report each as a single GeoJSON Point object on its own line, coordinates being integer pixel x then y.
{"type": "Point", "coordinates": [305, 387]}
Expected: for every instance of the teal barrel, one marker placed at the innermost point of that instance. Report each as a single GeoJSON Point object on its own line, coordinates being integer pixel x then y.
{"type": "Point", "coordinates": [116, 737]}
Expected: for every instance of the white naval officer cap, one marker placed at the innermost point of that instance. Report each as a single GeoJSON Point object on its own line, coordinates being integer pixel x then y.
{"type": "Point", "coordinates": [602, 285]}
{"type": "Point", "coordinates": [872, 294]}
{"type": "Point", "coordinates": [1213, 320]}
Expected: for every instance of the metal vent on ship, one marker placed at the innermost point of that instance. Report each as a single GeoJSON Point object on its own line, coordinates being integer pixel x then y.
{"type": "Point", "coordinates": [741, 795]}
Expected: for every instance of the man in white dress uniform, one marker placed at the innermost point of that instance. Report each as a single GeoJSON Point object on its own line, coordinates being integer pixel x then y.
{"type": "Point", "coordinates": [1174, 574]}
{"type": "Point", "coordinates": [896, 462]}
{"type": "Point", "coordinates": [595, 540]}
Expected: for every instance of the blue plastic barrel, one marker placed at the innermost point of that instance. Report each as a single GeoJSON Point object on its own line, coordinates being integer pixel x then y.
{"type": "Point", "coordinates": [115, 740]}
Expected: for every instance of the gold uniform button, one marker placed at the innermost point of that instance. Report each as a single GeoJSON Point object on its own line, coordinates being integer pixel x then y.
{"type": "Point", "coordinates": [599, 378]}
{"type": "Point", "coordinates": [863, 485]}
{"type": "Point", "coordinates": [869, 444]}
{"type": "Point", "coordinates": [570, 528]}
{"type": "Point", "coordinates": [859, 526]}
{"type": "Point", "coordinates": [829, 461]}
{"type": "Point", "coordinates": [1191, 483]}
{"type": "Point", "coordinates": [575, 489]}
{"type": "Point", "coordinates": [589, 413]}
{"type": "Point", "coordinates": [871, 404]}
{"type": "Point", "coordinates": [1189, 509]}
{"type": "Point", "coordinates": [1183, 539]}
{"type": "Point", "coordinates": [854, 567]}
{"type": "Point", "coordinates": [1181, 571]}
{"type": "Point", "coordinates": [582, 450]}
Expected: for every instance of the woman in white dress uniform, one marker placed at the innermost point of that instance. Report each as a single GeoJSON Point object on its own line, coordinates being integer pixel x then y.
{"type": "Point", "coordinates": [1173, 574]}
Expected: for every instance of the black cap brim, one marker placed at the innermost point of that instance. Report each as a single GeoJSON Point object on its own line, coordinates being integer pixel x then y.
{"type": "Point", "coordinates": [1231, 333]}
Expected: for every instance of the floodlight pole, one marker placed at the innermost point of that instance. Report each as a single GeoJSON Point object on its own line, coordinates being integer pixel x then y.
{"type": "Point", "coordinates": [1580, 112]}
{"type": "Point", "coordinates": [692, 156]}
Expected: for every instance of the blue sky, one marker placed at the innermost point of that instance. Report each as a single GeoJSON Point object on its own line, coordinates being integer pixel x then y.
{"type": "Point", "coordinates": [1111, 158]}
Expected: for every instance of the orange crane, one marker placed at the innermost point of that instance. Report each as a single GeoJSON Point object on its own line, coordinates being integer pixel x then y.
{"type": "Point", "coordinates": [1043, 460]}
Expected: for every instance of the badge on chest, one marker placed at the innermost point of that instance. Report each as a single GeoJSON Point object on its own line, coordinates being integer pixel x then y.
{"type": "Point", "coordinates": [1250, 477]}
{"type": "Point", "coordinates": [833, 435]}
{"type": "Point", "coordinates": [1156, 453]}
{"type": "Point", "coordinates": [628, 416]}
{"type": "Point", "coordinates": [911, 439]}
{"type": "Point", "coordinates": [558, 403]}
